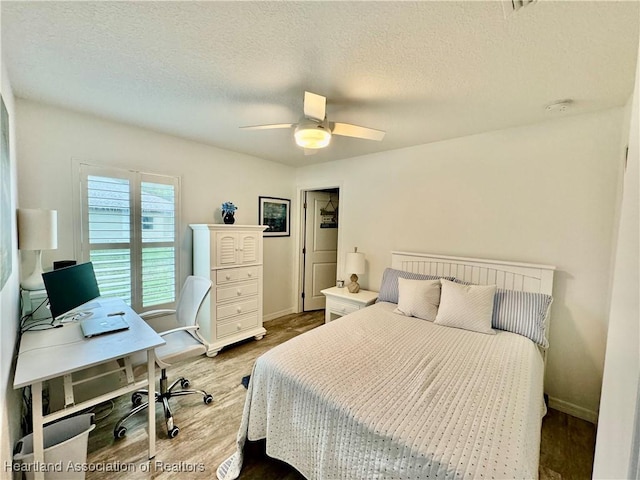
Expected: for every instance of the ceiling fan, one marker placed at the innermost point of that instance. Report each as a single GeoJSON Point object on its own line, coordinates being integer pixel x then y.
{"type": "Point", "coordinates": [314, 132]}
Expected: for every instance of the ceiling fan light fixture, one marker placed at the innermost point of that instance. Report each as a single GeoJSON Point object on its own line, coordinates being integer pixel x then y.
{"type": "Point", "coordinates": [312, 136]}
{"type": "Point", "coordinates": [314, 131]}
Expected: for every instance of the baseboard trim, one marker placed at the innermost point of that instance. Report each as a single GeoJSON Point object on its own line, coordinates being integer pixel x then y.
{"type": "Point", "coordinates": [574, 410]}
{"type": "Point", "coordinates": [281, 313]}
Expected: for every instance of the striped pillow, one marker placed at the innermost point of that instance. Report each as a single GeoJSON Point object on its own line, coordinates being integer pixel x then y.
{"type": "Point", "coordinates": [523, 313]}
{"type": "Point", "coordinates": [389, 289]}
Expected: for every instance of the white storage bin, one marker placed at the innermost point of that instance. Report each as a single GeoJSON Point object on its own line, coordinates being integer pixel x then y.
{"type": "Point", "coordinates": [64, 442]}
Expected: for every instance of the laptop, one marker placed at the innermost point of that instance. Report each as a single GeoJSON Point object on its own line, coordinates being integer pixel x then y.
{"type": "Point", "coordinates": [93, 326]}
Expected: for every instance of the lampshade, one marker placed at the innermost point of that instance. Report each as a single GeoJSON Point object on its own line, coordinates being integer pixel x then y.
{"type": "Point", "coordinates": [354, 263]}
{"type": "Point", "coordinates": [37, 229]}
{"type": "Point", "coordinates": [314, 136]}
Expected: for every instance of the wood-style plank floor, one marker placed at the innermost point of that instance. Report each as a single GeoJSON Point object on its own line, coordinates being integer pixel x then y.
{"type": "Point", "coordinates": [208, 432]}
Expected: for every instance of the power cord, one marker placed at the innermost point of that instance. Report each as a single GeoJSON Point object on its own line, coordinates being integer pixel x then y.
{"type": "Point", "coordinates": [25, 318]}
{"type": "Point", "coordinates": [46, 326]}
{"type": "Point", "coordinates": [27, 426]}
{"type": "Point", "coordinates": [111, 407]}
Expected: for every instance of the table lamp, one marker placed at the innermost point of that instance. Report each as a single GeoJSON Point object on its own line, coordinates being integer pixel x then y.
{"type": "Point", "coordinates": [354, 264]}
{"type": "Point", "coordinates": [37, 230]}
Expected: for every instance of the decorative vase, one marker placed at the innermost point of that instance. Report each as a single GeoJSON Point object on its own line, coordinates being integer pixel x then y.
{"type": "Point", "coordinates": [228, 218]}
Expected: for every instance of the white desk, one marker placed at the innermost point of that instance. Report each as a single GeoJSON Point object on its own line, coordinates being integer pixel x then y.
{"type": "Point", "coordinates": [59, 352]}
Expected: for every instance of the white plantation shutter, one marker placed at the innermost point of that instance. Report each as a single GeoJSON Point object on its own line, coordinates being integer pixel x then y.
{"type": "Point", "coordinates": [128, 231]}
{"type": "Point", "coordinates": [158, 233]}
{"type": "Point", "coordinates": [109, 214]}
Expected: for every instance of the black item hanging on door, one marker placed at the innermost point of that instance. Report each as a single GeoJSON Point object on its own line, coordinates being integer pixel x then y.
{"type": "Point", "coordinates": [329, 216]}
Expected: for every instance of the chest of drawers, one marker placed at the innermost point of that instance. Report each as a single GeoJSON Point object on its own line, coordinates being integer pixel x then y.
{"type": "Point", "coordinates": [231, 257]}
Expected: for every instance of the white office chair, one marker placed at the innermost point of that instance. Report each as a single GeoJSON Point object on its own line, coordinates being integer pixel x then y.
{"type": "Point", "coordinates": [183, 342]}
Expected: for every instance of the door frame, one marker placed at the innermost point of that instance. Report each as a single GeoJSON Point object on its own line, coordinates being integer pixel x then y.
{"type": "Point", "coordinates": [299, 214]}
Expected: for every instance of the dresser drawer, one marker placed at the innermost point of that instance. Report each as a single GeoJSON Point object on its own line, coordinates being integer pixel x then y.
{"type": "Point", "coordinates": [237, 308]}
{"type": "Point", "coordinates": [237, 291]}
{"type": "Point", "coordinates": [238, 324]}
{"type": "Point", "coordinates": [236, 275]}
{"type": "Point", "coordinates": [341, 307]}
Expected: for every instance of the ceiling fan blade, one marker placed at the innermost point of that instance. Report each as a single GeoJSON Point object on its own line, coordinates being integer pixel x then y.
{"type": "Point", "coordinates": [315, 106]}
{"type": "Point", "coordinates": [349, 130]}
{"type": "Point", "coordinates": [310, 151]}
{"type": "Point", "coordinates": [267, 127]}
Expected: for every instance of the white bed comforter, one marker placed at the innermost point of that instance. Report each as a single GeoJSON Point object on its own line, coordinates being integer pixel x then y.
{"type": "Point", "coordinates": [376, 395]}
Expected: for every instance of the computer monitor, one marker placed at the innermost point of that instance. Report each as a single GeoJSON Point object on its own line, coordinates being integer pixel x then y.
{"type": "Point", "coordinates": [70, 287]}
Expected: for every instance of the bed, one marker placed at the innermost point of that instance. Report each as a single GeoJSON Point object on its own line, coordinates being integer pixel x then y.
{"type": "Point", "coordinates": [383, 394]}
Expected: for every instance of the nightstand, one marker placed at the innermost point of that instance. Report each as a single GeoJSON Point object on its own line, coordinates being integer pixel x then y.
{"type": "Point", "coordinates": [340, 301]}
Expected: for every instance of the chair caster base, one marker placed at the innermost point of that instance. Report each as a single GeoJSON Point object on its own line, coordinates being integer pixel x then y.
{"type": "Point", "coordinates": [136, 399]}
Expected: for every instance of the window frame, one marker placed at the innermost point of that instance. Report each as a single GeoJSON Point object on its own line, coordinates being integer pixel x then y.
{"type": "Point", "coordinates": [135, 245]}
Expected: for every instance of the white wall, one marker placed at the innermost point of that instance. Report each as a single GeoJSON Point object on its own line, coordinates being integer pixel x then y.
{"type": "Point", "coordinates": [49, 138]}
{"type": "Point", "coordinates": [542, 193]}
{"type": "Point", "coordinates": [616, 454]}
{"type": "Point", "coordinates": [9, 310]}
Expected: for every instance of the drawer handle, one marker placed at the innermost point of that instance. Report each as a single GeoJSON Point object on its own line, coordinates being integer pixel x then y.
{"type": "Point", "coordinates": [239, 292]}
{"type": "Point", "coordinates": [228, 277]}
{"type": "Point", "coordinates": [249, 274]}
{"type": "Point", "coordinates": [238, 326]}
{"type": "Point", "coordinates": [344, 309]}
{"type": "Point", "coordinates": [239, 309]}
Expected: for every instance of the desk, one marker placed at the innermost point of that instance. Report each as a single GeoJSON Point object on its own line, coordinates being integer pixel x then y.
{"type": "Point", "coordinates": [59, 352]}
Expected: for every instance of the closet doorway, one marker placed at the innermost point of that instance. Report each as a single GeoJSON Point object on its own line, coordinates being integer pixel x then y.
{"type": "Point", "coordinates": [319, 245]}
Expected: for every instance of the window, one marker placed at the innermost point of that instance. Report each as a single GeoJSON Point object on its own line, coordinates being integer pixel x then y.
{"type": "Point", "coordinates": [129, 232]}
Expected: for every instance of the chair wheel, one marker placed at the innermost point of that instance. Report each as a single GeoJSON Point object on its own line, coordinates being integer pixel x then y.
{"type": "Point", "coordinates": [208, 398]}
{"type": "Point", "coordinates": [173, 432]}
{"type": "Point", "coordinates": [120, 432]}
{"type": "Point", "coordinates": [136, 399]}
{"type": "Point", "coordinates": [185, 383]}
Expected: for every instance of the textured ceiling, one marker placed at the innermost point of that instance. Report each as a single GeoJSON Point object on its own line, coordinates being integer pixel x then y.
{"type": "Point", "coordinates": [422, 71]}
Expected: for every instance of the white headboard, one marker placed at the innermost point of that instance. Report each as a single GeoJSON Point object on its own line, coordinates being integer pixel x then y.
{"type": "Point", "coordinates": [508, 275]}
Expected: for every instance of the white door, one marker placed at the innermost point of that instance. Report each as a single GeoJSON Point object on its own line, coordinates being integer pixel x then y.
{"type": "Point", "coordinates": [321, 247]}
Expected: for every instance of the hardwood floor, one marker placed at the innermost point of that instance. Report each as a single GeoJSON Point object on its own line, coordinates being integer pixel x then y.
{"type": "Point", "coordinates": [567, 446]}
{"type": "Point", "coordinates": [208, 432]}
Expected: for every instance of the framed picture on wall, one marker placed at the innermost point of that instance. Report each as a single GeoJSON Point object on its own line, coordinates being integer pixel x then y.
{"type": "Point", "coordinates": [275, 214]}
{"type": "Point", "coordinates": [6, 242]}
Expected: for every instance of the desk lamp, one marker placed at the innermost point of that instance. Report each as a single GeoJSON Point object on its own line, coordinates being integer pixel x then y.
{"type": "Point", "coordinates": [354, 265]}
{"type": "Point", "coordinates": [37, 230]}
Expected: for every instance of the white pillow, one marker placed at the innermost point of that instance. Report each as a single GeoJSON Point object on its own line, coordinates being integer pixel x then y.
{"type": "Point", "coordinates": [469, 307]}
{"type": "Point", "coordinates": [418, 298]}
